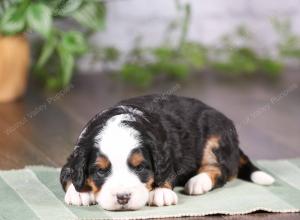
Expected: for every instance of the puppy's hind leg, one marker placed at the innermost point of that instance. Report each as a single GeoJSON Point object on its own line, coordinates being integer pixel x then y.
{"type": "Point", "coordinates": [219, 153]}
{"type": "Point", "coordinates": [209, 171]}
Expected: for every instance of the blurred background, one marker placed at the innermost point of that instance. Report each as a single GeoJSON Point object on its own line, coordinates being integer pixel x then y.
{"type": "Point", "coordinates": [63, 61]}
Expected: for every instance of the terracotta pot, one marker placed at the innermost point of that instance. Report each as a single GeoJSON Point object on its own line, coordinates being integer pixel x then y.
{"type": "Point", "coordinates": [14, 63]}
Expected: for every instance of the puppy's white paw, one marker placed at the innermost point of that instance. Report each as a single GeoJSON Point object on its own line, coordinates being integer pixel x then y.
{"type": "Point", "coordinates": [262, 178]}
{"type": "Point", "coordinates": [73, 197]}
{"type": "Point", "coordinates": [198, 184]}
{"type": "Point", "coordinates": [162, 197]}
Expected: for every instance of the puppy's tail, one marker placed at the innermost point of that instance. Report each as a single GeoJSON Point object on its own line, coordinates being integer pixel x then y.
{"type": "Point", "coordinates": [248, 171]}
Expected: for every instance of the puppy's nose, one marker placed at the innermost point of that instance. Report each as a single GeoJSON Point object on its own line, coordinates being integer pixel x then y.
{"type": "Point", "coordinates": [123, 198]}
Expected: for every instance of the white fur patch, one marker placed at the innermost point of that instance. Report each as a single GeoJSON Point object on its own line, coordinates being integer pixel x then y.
{"type": "Point", "coordinates": [72, 197]}
{"type": "Point", "coordinates": [261, 178]}
{"type": "Point", "coordinates": [162, 197]}
{"type": "Point", "coordinates": [198, 184]}
{"type": "Point", "coordinates": [116, 136]}
{"type": "Point", "coordinates": [116, 141]}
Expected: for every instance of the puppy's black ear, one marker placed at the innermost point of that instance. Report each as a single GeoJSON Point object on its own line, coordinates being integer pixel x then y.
{"type": "Point", "coordinates": [79, 169]}
{"type": "Point", "coordinates": [75, 170]}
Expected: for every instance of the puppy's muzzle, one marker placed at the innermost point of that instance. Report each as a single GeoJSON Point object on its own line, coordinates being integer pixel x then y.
{"type": "Point", "coordinates": [123, 198]}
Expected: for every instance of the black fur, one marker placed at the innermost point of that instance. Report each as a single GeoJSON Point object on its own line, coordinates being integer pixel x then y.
{"type": "Point", "coordinates": [173, 134]}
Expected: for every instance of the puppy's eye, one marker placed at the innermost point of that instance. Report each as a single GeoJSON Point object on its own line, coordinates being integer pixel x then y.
{"type": "Point", "coordinates": [101, 172]}
{"type": "Point", "coordinates": [139, 168]}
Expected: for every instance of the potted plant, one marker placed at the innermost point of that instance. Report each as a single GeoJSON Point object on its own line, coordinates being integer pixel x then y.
{"type": "Point", "coordinates": [60, 47]}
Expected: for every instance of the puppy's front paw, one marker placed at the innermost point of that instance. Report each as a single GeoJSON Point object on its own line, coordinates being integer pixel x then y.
{"type": "Point", "coordinates": [198, 184]}
{"type": "Point", "coordinates": [73, 197]}
{"type": "Point", "coordinates": [162, 197]}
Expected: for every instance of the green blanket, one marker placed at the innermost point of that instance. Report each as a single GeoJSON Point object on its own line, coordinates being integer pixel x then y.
{"type": "Point", "coordinates": [35, 193]}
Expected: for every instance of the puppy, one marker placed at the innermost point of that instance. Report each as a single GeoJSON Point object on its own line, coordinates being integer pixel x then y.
{"type": "Point", "coordinates": [137, 151]}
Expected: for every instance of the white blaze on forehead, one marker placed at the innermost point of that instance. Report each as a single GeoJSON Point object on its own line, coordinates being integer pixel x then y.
{"type": "Point", "coordinates": [117, 140]}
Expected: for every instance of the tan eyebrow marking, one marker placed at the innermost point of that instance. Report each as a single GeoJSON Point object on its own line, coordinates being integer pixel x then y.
{"type": "Point", "coordinates": [136, 159]}
{"type": "Point", "coordinates": [102, 162]}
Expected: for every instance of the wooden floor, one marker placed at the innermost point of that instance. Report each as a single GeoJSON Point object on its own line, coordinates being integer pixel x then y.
{"type": "Point", "coordinates": [42, 128]}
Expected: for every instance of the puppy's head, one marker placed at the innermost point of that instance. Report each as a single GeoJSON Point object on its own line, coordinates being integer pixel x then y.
{"type": "Point", "coordinates": [123, 183]}
{"type": "Point", "coordinates": [119, 166]}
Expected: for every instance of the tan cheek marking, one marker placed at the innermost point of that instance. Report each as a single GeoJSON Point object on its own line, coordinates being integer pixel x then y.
{"type": "Point", "coordinates": [149, 183]}
{"type": "Point", "coordinates": [136, 159]}
{"type": "Point", "coordinates": [91, 183]}
{"type": "Point", "coordinates": [209, 163]}
{"type": "Point", "coordinates": [102, 162]}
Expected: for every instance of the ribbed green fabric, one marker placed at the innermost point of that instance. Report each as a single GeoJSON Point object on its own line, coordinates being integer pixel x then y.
{"type": "Point", "coordinates": [35, 193]}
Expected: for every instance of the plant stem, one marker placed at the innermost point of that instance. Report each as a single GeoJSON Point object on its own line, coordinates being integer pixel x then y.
{"type": "Point", "coordinates": [185, 24]}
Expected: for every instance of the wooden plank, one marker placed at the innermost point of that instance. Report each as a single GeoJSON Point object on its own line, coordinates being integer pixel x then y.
{"type": "Point", "coordinates": [36, 131]}
{"type": "Point", "coordinates": [16, 152]}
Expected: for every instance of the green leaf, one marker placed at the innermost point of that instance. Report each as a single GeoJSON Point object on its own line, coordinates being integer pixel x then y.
{"type": "Point", "coordinates": [91, 15]}
{"type": "Point", "coordinates": [5, 5]}
{"type": "Point", "coordinates": [111, 54]}
{"type": "Point", "coordinates": [178, 71]}
{"type": "Point", "coordinates": [65, 7]}
{"type": "Point", "coordinates": [242, 64]}
{"type": "Point", "coordinates": [136, 74]}
{"type": "Point", "coordinates": [163, 53]}
{"type": "Point", "coordinates": [236, 64]}
{"type": "Point", "coordinates": [74, 42]}
{"type": "Point", "coordinates": [39, 18]}
{"type": "Point", "coordinates": [47, 51]}
{"type": "Point", "coordinates": [53, 83]}
{"type": "Point", "coordinates": [271, 67]}
{"type": "Point", "coordinates": [13, 21]}
{"type": "Point", "coordinates": [66, 64]}
{"type": "Point", "coordinates": [194, 55]}
{"type": "Point", "coordinates": [171, 68]}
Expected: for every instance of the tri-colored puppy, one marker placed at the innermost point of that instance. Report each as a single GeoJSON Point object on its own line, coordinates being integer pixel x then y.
{"type": "Point", "coordinates": [137, 151]}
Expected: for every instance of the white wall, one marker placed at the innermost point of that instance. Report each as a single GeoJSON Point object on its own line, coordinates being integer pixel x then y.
{"type": "Point", "coordinates": [127, 19]}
